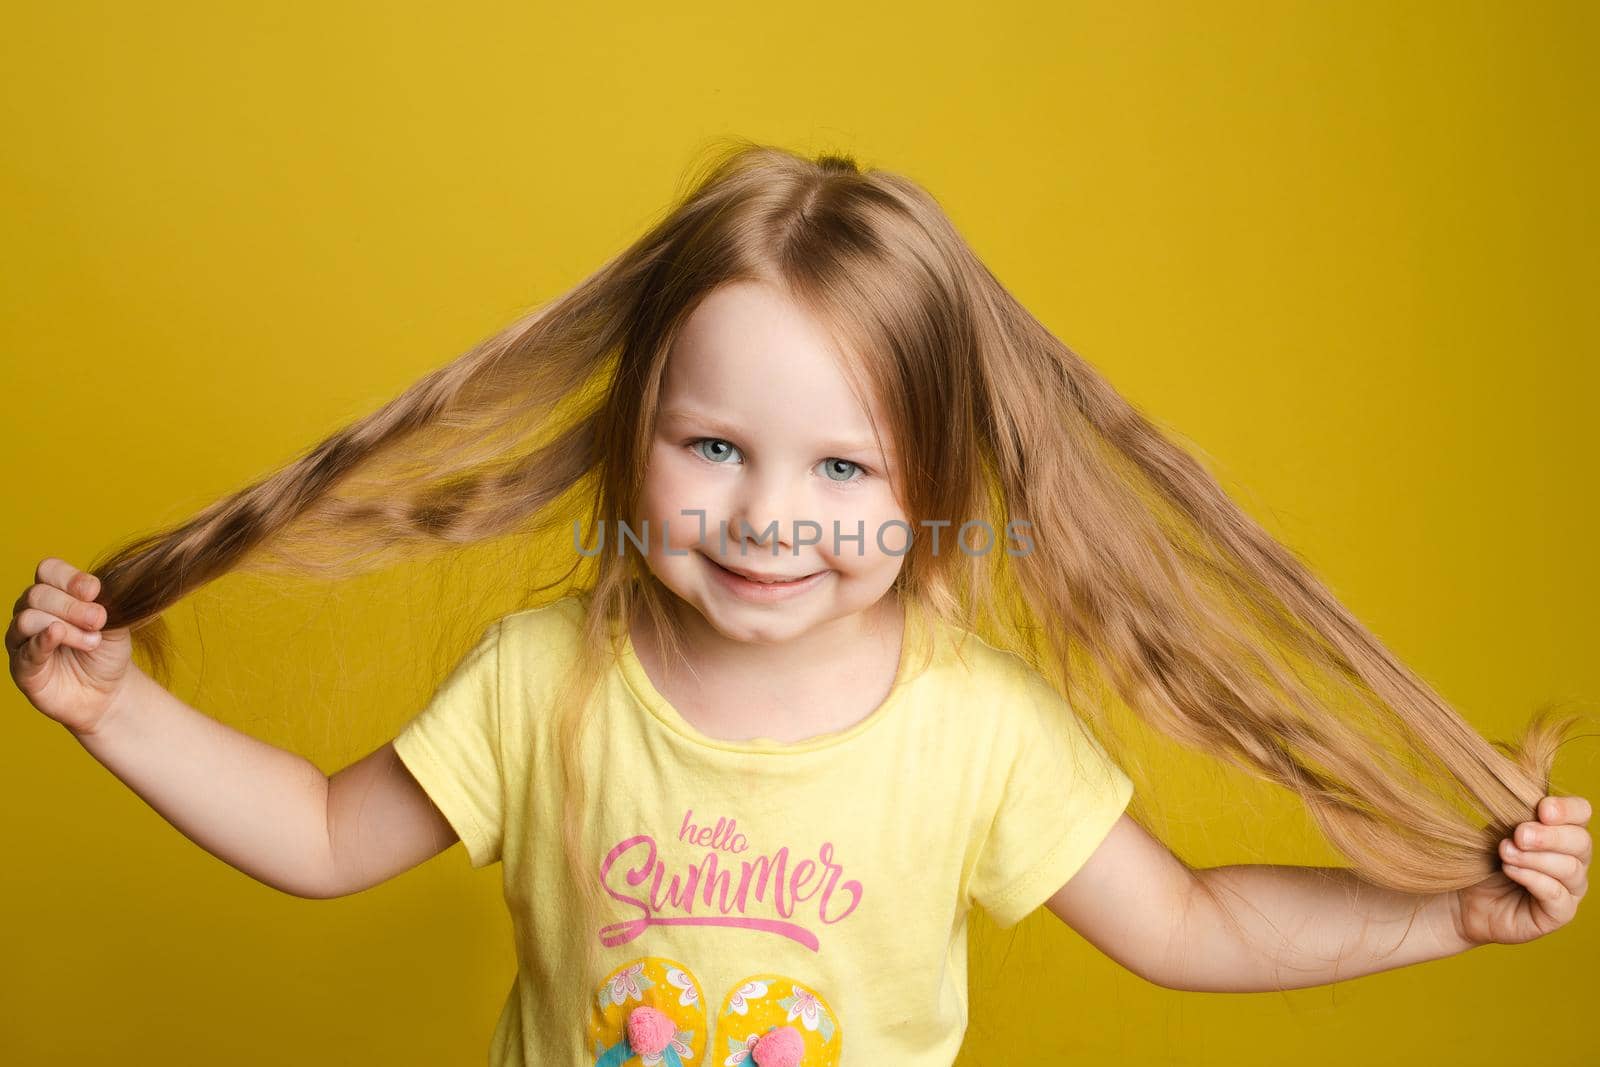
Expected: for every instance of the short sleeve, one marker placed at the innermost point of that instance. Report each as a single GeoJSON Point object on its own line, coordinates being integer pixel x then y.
{"type": "Point", "coordinates": [1060, 795]}
{"type": "Point", "coordinates": [452, 748]}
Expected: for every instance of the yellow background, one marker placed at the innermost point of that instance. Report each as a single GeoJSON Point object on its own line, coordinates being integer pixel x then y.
{"type": "Point", "coordinates": [1347, 250]}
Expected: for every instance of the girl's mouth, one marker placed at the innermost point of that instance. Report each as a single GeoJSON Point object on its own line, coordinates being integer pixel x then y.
{"type": "Point", "coordinates": [767, 590]}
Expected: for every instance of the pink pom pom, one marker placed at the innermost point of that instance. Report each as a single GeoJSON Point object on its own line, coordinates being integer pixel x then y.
{"type": "Point", "coordinates": [778, 1048]}
{"type": "Point", "coordinates": [649, 1030]}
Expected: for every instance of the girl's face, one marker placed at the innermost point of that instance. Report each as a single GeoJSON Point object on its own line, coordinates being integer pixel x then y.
{"type": "Point", "coordinates": [757, 427]}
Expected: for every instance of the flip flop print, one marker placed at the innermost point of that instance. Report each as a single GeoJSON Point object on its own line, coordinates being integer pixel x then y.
{"type": "Point", "coordinates": [651, 1011]}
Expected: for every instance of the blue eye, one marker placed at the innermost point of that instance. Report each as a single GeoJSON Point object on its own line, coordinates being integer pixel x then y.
{"type": "Point", "coordinates": [720, 452]}
{"type": "Point", "coordinates": [697, 442]}
{"type": "Point", "coordinates": [833, 464]}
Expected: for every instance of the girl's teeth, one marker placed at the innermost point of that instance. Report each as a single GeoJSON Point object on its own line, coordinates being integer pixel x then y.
{"type": "Point", "coordinates": [770, 581]}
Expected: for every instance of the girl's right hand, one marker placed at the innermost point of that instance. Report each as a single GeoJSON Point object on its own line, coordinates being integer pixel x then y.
{"type": "Point", "coordinates": [62, 662]}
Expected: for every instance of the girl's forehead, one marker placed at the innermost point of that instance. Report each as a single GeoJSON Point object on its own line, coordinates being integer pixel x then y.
{"type": "Point", "coordinates": [743, 323]}
{"type": "Point", "coordinates": [766, 372]}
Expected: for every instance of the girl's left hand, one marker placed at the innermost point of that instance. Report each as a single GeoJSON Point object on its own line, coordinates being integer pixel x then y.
{"type": "Point", "coordinates": [1544, 873]}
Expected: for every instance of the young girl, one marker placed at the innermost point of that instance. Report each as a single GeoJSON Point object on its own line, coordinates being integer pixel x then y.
{"type": "Point", "coordinates": [749, 775]}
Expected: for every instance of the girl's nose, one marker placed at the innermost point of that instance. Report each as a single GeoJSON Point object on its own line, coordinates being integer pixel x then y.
{"type": "Point", "coordinates": [763, 512]}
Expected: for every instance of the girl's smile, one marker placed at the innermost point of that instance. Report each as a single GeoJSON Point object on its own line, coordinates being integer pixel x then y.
{"type": "Point", "coordinates": [766, 591]}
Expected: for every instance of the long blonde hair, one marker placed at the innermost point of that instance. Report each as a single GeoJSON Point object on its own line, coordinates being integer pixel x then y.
{"type": "Point", "coordinates": [1211, 631]}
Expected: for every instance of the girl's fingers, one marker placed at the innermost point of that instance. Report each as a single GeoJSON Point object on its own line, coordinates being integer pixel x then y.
{"type": "Point", "coordinates": [56, 631]}
{"type": "Point", "coordinates": [58, 574]}
{"type": "Point", "coordinates": [1572, 810]}
{"type": "Point", "coordinates": [1563, 867]}
{"type": "Point", "coordinates": [80, 613]}
{"type": "Point", "coordinates": [1537, 837]}
{"type": "Point", "coordinates": [64, 576]}
{"type": "Point", "coordinates": [1546, 890]}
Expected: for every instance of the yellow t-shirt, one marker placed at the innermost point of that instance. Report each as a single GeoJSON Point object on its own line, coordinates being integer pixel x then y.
{"type": "Point", "coordinates": [753, 886]}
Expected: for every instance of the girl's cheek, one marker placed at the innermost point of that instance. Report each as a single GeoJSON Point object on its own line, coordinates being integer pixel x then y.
{"type": "Point", "coordinates": [668, 492]}
{"type": "Point", "coordinates": [680, 532]}
{"type": "Point", "coordinates": [684, 511]}
{"type": "Point", "coordinates": [883, 535]}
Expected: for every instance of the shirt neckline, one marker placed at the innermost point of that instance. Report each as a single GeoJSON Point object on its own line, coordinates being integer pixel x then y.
{"type": "Point", "coordinates": [912, 645]}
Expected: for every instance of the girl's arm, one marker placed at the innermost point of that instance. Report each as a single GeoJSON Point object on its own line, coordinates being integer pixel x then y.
{"type": "Point", "coordinates": [1304, 926]}
{"type": "Point", "coordinates": [256, 807]}
{"type": "Point", "coordinates": [265, 811]}
{"type": "Point", "coordinates": [380, 823]}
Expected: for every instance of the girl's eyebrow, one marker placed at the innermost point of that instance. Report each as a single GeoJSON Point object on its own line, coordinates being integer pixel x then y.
{"type": "Point", "coordinates": [711, 422]}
